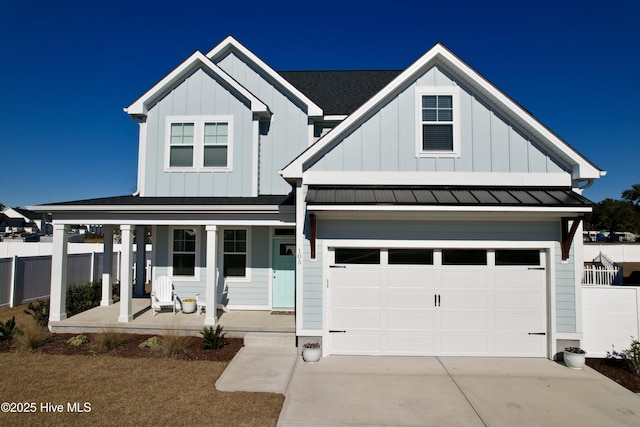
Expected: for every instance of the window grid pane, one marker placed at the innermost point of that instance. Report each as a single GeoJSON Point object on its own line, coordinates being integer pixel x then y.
{"type": "Point", "coordinates": [235, 253]}
{"type": "Point", "coordinates": [184, 252]}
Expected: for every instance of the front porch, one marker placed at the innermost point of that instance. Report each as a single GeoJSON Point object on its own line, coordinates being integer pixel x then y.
{"type": "Point", "coordinates": [235, 323]}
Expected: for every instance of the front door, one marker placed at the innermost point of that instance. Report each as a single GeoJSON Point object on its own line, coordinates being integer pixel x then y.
{"type": "Point", "coordinates": [284, 273]}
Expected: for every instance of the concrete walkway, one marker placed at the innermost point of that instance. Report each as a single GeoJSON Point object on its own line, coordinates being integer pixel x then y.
{"type": "Point", "coordinates": [453, 391]}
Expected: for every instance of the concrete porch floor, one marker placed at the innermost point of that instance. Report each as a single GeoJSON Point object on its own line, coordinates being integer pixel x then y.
{"type": "Point", "coordinates": [235, 323]}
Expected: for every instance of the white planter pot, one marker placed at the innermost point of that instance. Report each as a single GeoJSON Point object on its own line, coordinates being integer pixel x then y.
{"type": "Point", "coordinates": [188, 306]}
{"type": "Point", "coordinates": [311, 355]}
{"type": "Point", "coordinates": [574, 360]}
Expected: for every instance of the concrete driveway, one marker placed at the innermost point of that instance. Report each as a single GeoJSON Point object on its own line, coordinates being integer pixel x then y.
{"type": "Point", "coordinates": [453, 391]}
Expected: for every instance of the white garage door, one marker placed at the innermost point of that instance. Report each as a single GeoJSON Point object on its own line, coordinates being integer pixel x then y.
{"type": "Point", "coordinates": [437, 302]}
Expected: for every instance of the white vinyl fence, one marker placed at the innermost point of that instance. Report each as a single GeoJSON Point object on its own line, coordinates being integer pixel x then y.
{"type": "Point", "coordinates": [610, 318]}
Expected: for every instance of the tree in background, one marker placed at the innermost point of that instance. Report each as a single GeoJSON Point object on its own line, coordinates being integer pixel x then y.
{"type": "Point", "coordinates": [632, 195]}
{"type": "Point", "coordinates": [1, 207]}
{"type": "Point", "coordinates": [614, 215]}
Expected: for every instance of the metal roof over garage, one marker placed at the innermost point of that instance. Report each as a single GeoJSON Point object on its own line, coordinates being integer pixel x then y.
{"type": "Point", "coordinates": [446, 196]}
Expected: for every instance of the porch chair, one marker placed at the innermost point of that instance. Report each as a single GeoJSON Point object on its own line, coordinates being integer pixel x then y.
{"type": "Point", "coordinates": [162, 295]}
{"type": "Point", "coordinates": [201, 301]}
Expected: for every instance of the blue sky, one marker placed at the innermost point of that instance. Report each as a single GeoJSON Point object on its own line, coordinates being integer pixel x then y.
{"type": "Point", "coordinates": [69, 68]}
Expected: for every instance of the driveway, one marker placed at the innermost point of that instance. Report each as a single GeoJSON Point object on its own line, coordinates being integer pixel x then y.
{"type": "Point", "coordinates": [453, 391]}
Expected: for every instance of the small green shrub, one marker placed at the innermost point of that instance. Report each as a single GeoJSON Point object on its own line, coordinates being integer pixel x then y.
{"type": "Point", "coordinates": [107, 341]}
{"type": "Point", "coordinates": [213, 339]}
{"type": "Point", "coordinates": [83, 297]}
{"type": "Point", "coordinates": [78, 340]}
{"type": "Point", "coordinates": [174, 345]}
{"type": "Point", "coordinates": [39, 311]}
{"type": "Point", "coordinates": [632, 355]}
{"type": "Point", "coordinates": [32, 337]}
{"type": "Point", "coordinates": [152, 343]}
{"type": "Point", "coordinates": [8, 329]}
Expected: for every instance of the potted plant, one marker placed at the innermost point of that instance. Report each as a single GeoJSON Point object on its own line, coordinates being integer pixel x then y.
{"type": "Point", "coordinates": [574, 357]}
{"type": "Point", "coordinates": [311, 352]}
{"type": "Point", "coordinates": [188, 305]}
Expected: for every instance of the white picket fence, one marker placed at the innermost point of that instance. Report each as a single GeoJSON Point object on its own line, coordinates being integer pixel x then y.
{"type": "Point", "coordinates": [603, 273]}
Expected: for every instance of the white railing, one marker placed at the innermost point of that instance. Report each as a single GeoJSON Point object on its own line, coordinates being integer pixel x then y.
{"type": "Point", "coordinates": [594, 275]}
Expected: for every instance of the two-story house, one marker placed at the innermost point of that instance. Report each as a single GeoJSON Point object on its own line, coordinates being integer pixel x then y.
{"type": "Point", "coordinates": [414, 212]}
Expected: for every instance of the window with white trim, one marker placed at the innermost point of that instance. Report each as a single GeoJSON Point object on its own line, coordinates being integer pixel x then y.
{"type": "Point", "coordinates": [184, 252]}
{"type": "Point", "coordinates": [199, 142]}
{"type": "Point", "coordinates": [438, 121]}
{"type": "Point", "coordinates": [234, 258]}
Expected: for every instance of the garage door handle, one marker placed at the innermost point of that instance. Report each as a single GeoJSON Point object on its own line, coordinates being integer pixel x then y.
{"type": "Point", "coordinates": [436, 300]}
{"type": "Point", "coordinates": [334, 331]}
{"type": "Point", "coordinates": [536, 268]}
{"type": "Point", "coordinates": [537, 333]}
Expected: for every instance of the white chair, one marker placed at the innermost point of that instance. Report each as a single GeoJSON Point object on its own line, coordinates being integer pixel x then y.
{"type": "Point", "coordinates": [162, 295]}
{"type": "Point", "coordinates": [201, 303]}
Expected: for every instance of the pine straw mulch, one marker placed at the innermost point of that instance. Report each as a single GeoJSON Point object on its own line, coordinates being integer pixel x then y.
{"type": "Point", "coordinates": [130, 347]}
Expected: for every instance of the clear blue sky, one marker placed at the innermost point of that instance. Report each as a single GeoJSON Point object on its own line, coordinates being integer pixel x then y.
{"type": "Point", "coordinates": [68, 68]}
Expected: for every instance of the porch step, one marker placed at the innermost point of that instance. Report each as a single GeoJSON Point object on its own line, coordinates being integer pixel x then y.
{"type": "Point", "coordinates": [270, 339]}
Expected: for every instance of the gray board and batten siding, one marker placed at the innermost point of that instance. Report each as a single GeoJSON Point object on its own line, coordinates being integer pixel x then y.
{"type": "Point", "coordinates": [411, 230]}
{"type": "Point", "coordinates": [287, 133]}
{"type": "Point", "coordinates": [386, 139]}
{"type": "Point", "coordinates": [252, 291]}
{"type": "Point", "coordinates": [200, 94]}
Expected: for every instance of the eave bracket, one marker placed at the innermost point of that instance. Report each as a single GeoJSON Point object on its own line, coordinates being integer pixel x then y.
{"type": "Point", "coordinates": [568, 234]}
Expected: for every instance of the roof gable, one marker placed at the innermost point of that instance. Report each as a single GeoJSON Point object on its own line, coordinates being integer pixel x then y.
{"type": "Point", "coordinates": [582, 169]}
{"type": "Point", "coordinates": [196, 61]}
{"type": "Point", "coordinates": [230, 44]}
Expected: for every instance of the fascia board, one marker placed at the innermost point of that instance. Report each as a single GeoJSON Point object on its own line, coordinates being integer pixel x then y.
{"type": "Point", "coordinates": [163, 208]}
{"type": "Point", "coordinates": [436, 208]}
{"type": "Point", "coordinates": [583, 169]}
{"type": "Point", "coordinates": [228, 43]}
{"type": "Point", "coordinates": [197, 59]}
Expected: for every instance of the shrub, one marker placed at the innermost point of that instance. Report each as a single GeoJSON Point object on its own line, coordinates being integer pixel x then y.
{"type": "Point", "coordinates": [632, 355]}
{"type": "Point", "coordinates": [32, 337]}
{"type": "Point", "coordinates": [39, 311]}
{"type": "Point", "coordinates": [108, 341]}
{"type": "Point", "coordinates": [213, 339]}
{"type": "Point", "coordinates": [174, 345]}
{"type": "Point", "coordinates": [8, 329]}
{"type": "Point", "coordinates": [152, 343]}
{"type": "Point", "coordinates": [78, 340]}
{"type": "Point", "coordinates": [83, 297]}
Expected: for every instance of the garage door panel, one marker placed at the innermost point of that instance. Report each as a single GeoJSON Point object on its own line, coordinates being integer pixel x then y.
{"type": "Point", "coordinates": [465, 279]}
{"type": "Point", "coordinates": [518, 279]}
{"type": "Point", "coordinates": [362, 298]}
{"type": "Point", "coordinates": [518, 300]}
{"type": "Point", "coordinates": [520, 345]}
{"type": "Point", "coordinates": [520, 321]}
{"type": "Point", "coordinates": [356, 343]}
{"type": "Point", "coordinates": [356, 319]}
{"type": "Point", "coordinates": [402, 343]}
{"type": "Point", "coordinates": [464, 321]}
{"type": "Point", "coordinates": [410, 320]}
{"type": "Point", "coordinates": [411, 278]}
{"type": "Point", "coordinates": [472, 300]}
{"type": "Point", "coordinates": [410, 299]}
{"type": "Point", "coordinates": [357, 278]}
{"type": "Point", "coordinates": [464, 343]}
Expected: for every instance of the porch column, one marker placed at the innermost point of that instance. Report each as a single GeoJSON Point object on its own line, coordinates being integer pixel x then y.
{"type": "Point", "coordinates": [126, 283]}
{"type": "Point", "coordinates": [212, 275]}
{"type": "Point", "coordinates": [58, 296]}
{"type": "Point", "coordinates": [107, 265]}
{"type": "Point", "coordinates": [141, 260]}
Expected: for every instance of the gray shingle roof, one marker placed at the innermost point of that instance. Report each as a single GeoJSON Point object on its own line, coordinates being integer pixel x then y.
{"type": "Point", "coordinates": [340, 92]}
{"type": "Point", "coordinates": [447, 196]}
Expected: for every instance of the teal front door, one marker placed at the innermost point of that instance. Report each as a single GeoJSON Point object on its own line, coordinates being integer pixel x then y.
{"type": "Point", "coordinates": [284, 274]}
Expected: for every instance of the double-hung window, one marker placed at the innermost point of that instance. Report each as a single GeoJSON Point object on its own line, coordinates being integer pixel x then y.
{"type": "Point", "coordinates": [184, 252]}
{"type": "Point", "coordinates": [438, 121]}
{"type": "Point", "coordinates": [199, 142]}
{"type": "Point", "coordinates": [235, 253]}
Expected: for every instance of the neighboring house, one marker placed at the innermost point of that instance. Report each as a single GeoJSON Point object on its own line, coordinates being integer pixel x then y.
{"type": "Point", "coordinates": [415, 212]}
{"type": "Point", "coordinates": [36, 222]}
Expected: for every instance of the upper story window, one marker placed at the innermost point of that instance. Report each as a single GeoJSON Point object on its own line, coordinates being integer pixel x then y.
{"type": "Point", "coordinates": [438, 120]}
{"type": "Point", "coordinates": [199, 142]}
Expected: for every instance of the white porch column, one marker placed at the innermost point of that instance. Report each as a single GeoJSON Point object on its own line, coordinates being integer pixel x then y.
{"type": "Point", "coordinates": [141, 260]}
{"type": "Point", "coordinates": [212, 275]}
{"type": "Point", "coordinates": [126, 283]}
{"type": "Point", "coordinates": [58, 297]}
{"type": "Point", "coordinates": [107, 265]}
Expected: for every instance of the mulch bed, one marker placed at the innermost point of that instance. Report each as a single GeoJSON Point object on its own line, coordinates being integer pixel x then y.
{"type": "Point", "coordinates": [130, 348]}
{"type": "Point", "coordinates": [618, 371]}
